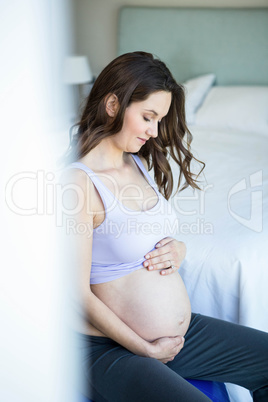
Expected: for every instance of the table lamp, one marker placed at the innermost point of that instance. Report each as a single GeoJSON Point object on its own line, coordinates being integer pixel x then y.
{"type": "Point", "coordinates": [77, 72]}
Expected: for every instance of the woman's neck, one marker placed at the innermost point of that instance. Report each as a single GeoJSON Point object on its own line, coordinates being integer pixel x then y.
{"type": "Point", "coordinates": [105, 156]}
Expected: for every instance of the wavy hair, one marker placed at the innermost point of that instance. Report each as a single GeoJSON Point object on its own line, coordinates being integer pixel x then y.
{"type": "Point", "coordinates": [132, 77]}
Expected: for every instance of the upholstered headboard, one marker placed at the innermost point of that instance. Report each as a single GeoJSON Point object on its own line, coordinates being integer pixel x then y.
{"type": "Point", "coordinates": [232, 43]}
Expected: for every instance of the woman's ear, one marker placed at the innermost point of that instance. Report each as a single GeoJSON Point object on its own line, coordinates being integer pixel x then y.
{"type": "Point", "coordinates": [111, 105]}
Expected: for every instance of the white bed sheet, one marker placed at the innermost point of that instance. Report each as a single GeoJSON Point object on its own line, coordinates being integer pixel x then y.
{"type": "Point", "coordinates": [225, 229]}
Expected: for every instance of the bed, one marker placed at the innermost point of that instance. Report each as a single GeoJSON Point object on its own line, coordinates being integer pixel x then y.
{"type": "Point", "coordinates": [221, 56]}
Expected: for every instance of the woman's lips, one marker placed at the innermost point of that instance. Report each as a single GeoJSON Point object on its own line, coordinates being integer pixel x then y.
{"type": "Point", "coordinates": [142, 140]}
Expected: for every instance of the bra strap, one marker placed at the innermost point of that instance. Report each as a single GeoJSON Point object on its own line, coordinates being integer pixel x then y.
{"type": "Point", "coordinates": [106, 195]}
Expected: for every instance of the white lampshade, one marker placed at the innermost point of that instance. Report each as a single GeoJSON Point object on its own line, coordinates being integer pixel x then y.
{"type": "Point", "coordinates": [77, 70]}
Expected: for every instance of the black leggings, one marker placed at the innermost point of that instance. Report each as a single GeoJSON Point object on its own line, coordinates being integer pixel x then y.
{"type": "Point", "coordinates": [214, 350]}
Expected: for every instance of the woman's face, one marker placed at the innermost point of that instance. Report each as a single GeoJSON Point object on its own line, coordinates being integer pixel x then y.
{"type": "Point", "coordinates": [141, 121]}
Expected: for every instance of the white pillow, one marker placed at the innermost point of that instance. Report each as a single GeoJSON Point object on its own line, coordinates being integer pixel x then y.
{"type": "Point", "coordinates": [244, 108]}
{"type": "Point", "coordinates": [195, 92]}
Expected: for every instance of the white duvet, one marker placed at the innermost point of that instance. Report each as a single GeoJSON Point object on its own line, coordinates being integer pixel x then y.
{"type": "Point", "coordinates": [225, 228]}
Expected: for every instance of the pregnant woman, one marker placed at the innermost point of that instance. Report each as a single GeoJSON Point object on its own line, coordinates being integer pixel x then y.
{"type": "Point", "coordinates": [138, 339]}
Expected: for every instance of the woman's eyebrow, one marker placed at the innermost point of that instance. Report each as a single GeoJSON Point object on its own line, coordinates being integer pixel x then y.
{"type": "Point", "coordinates": [152, 111]}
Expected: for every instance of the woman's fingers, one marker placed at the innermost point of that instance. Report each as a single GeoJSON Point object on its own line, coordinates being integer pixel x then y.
{"type": "Point", "coordinates": [165, 265]}
{"type": "Point", "coordinates": [161, 256]}
{"type": "Point", "coordinates": [166, 257]}
{"type": "Point", "coordinates": [169, 270]}
{"type": "Point", "coordinates": [179, 343]}
{"type": "Point", "coordinates": [160, 262]}
{"type": "Point", "coordinates": [166, 348]}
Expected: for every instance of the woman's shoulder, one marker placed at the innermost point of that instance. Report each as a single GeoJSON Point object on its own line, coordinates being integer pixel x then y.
{"type": "Point", "coordinates": [76, 176]}
{"type": "Point", "coordinates": [78, 189]}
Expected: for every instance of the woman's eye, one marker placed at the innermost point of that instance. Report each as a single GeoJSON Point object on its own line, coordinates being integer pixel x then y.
{"type": "Point", "coordinates": [145, 118]}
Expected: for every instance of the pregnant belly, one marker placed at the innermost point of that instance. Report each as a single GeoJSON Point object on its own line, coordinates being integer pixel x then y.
{"type": "Point", "coordinates": [152, 305]}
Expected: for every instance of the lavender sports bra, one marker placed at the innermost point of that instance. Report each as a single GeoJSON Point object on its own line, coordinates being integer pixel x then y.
{"type": "Point", "coordinates": [125, 236]}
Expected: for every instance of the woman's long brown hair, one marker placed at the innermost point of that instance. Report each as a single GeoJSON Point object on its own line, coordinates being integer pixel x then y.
{"type": "Point", "coordinates": [132, 77]}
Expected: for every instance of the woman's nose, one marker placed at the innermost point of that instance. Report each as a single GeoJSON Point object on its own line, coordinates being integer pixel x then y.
{"type": "Point", "coordinates": [153, 131]}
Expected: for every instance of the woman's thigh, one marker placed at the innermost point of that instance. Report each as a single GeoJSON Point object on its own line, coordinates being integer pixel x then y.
{"type": "Point", "coordinates": [217, 350]}
{"type": "Point", "coordinates": [112, 373]}
{"type": "Point", "coordinates": [214, 350]}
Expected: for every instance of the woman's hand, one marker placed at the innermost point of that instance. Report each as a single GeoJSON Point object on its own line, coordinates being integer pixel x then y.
{"type": "Point", "coordinates": [167, 257]}
{"type": "Point", "coordinates": [165, 349]}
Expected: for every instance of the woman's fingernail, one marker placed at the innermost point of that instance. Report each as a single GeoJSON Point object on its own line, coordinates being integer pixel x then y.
{"type": "Point", "coordinates": [158, 245]}
{"type": "Point", "coordinates": [146, 264]}
{"type": "Point", "coordinates": [150, 268]}
{"type": "Point", "coordinates": [147, 256]}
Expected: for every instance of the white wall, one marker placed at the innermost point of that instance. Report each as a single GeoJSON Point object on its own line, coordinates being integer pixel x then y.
{"type": "Point", "coordinates": [96, 23]}
{"type": "Point", "coordinates": [34, 38]}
